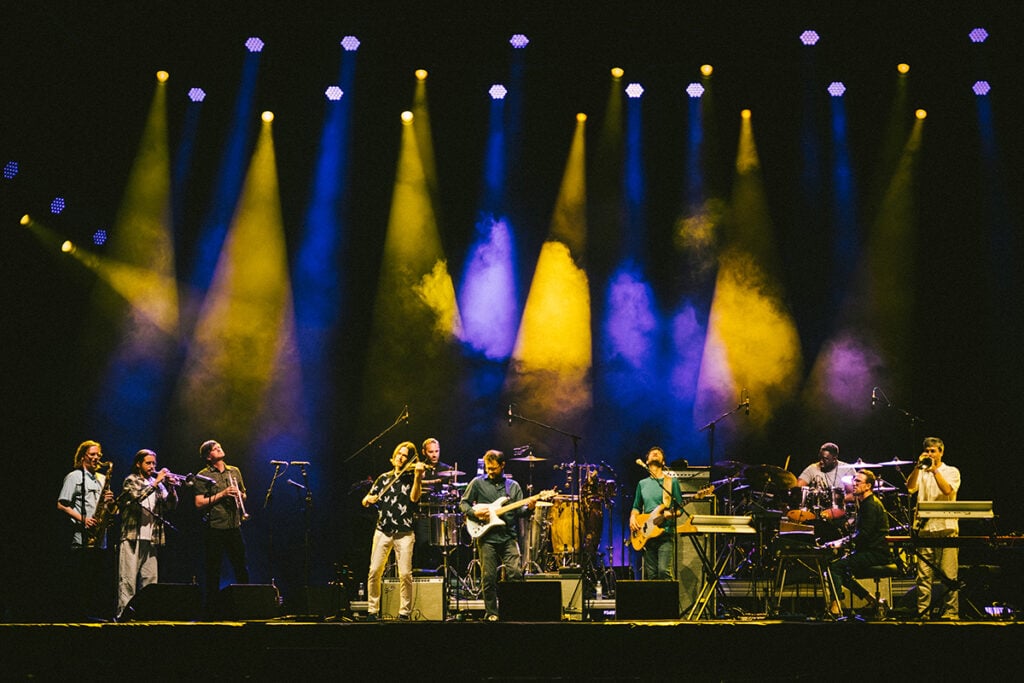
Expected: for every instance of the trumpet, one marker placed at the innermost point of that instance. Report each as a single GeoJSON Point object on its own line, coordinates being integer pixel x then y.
{"type": "Point", "coordinates": [238, 497]}
{"type": "Point", "coordinates": [178, 479]}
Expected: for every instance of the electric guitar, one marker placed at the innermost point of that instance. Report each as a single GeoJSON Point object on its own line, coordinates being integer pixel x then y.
{"type": "Point", "coordinates": [476, 528]}
{"type": "Point", "coordinates": [653, 523]}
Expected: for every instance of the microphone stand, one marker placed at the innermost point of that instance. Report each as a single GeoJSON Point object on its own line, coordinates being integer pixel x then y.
{"type": "Point", "coordinates": [710, 429]}
{"type": "Point", "coordinates": [278, 471]}
{"type": "Point", "coordinates": [577, 519]}
{"type": "Point", "coordinates": [403, 417]}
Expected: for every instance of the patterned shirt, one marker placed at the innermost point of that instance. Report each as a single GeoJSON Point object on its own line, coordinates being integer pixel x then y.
{"type": "Point", "coordinates": [395, 508]}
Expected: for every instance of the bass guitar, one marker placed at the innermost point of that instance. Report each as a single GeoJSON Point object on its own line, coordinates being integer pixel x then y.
{"type": "Point", "coordinates": [476, 528]}
{"type": "Point", "coordinates": [653, 523]}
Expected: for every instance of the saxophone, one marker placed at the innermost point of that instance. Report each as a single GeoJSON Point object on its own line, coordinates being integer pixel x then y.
{"type": "Point", "coordinates": [105, 512]}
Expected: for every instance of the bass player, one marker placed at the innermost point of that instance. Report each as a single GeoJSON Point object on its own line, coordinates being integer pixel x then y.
{"type": "Point", "coordinates": [498, 545]}
{"type": "Point", "coordinates": [653, 501]}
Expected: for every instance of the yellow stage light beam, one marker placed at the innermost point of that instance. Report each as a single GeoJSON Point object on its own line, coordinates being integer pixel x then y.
{"type": "Point", "coordinates": [552, 357]}
{"type": "Point", "coordinates": [752, 339]}
{"type": "Point", "coordinates": [242, 376]}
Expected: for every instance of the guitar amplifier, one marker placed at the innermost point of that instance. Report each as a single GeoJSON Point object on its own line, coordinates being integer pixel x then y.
{"type": "Point", "coordinates": [427, 599]}
{"type": "Point", "coordinates": [692, 479]}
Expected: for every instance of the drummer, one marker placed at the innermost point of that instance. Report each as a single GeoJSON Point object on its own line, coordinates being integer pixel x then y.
{"type": "Point", "coordinates": [424, 554]}
{"type": "Point", "coordinates": [829, 474]}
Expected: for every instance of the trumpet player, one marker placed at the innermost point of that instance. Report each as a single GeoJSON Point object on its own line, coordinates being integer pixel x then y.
{"type": "Point", "coordinates": [145, 497]}
{"type": "Point", "coordinates": [396, 493]}
{"type": "Point", "coordinates": [222, 502]}
{"type": "Point", "coordinates": [933, 479]}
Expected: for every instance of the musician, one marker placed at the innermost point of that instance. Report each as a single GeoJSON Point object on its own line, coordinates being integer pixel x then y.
{"type": "Point", "coordinates": [869, 547]}
{"type": "Point", "coordinates": [396, 494]}
{"type": "Point", "coordinates": [933, 479]}
{"type": "Point", "coordinates": [80, 494]}
{"type": "Point", "coordinates": [498, 545]}
{"type": "Point", "coordinates": [146, 496]}
{"type": "Point", "coordinates": [655, 497]}
{"type": "Point", "coordinates": [424, 554]}
{"type": "Point", "coordinates": [221, 501]}
{"type": "Point", "coordinates": [827, 475]}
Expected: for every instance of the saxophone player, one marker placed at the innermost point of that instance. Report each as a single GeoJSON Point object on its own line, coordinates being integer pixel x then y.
{"type": "Point", "coordinates": [83, 490]}
{"type": "Point", "coordinates": [220, 495]}
{"type": "Point", "coordinates": [147, 494]}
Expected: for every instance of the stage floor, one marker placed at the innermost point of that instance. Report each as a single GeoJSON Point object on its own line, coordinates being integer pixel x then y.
{"type": "Point", "coordinates": [718, 650]}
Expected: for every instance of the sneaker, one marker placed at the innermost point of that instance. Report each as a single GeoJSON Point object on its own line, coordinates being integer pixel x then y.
{"type": "Point", "coordinates": [491, 617]}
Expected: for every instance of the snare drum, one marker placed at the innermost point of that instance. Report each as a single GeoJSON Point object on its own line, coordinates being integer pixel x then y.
{"type": "Point", "coordinates": [444, 530]}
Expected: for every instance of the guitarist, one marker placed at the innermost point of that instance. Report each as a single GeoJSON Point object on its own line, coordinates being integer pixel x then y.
{"type": "Point", "coordinates": [654, 497]}
{"type": "Point", "coordinates": [499, 545]}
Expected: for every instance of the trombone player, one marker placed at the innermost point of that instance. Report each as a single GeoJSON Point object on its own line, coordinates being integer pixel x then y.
{"type": "Point", "coordinates": [396, 493]}
{"type": "Point", "coordinates": [146, 495]}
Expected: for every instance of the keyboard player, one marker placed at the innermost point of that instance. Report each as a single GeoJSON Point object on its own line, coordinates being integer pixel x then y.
{"type": "Point", "coordinates": [932, 479]}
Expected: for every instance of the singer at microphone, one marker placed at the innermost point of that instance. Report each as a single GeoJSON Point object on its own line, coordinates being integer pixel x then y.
{"type": "Point", "coordinates": [652, 522]}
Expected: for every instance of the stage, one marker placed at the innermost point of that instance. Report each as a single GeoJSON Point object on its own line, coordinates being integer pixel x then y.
{"type": "Point", "coordinates": [719, 650]}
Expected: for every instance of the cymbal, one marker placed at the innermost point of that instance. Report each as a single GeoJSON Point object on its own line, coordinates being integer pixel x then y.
{"type": "Point", "coordinates": [528, 458]}
{"type": "Point", "coordinates": [729, 468]}
{"type": "Point", "coordinates": [450, 473]}
{"type": "Point", "coordinates": [866, 465]}
{"type": "Point", "coordinates": [769, 476]}
{"type": "Point", "coordinates": [895, 463]}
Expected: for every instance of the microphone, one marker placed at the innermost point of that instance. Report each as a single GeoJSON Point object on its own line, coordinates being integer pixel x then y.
{"type": "Point", "coordinates": [300, 463]}
{"type": "Point", "coordinates": [745, 401]}
{"type": "Point", "coordinates": [296, 484]}
{"type": "Point", "coordinates": [642, 464]}
{"type": "Point", "coordinates": [509, 414]}
{"type": "Point", "coordinates": [282, 463]}
{"type": "Point", "coordinates": [405, 416]}
{"type": "Point", "coordinates": [202, 477]}
{"type": "Point", "coordinates": [874, 396]}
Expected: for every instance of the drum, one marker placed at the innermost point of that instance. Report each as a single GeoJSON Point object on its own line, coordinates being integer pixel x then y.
{"type": "Point", "coordinates": [534, 534]}
{"type": "Point", "coordinates": [563, 516]}
{"type": "Point", "coordinates": [802, 499]}
{"type": "Point", "coordinates": [444, 530]}
{"type": "Point", "coordinates": [599, 492]}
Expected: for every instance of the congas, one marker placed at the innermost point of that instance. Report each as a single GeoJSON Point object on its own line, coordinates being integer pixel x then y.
{"type": "Point", "coordinates": [565, 534]}
{"type": "Point", "coordinates": [444, 529]}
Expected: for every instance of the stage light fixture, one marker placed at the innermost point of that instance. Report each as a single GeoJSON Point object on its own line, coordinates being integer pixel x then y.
{"type": "Point", "coordinates": [350, 43]}
{"type": "Point", "coordinates": [57, 205]}
{"type": "Point", "coordinates": [10, 170]}
{"type": "Point", "coordinates": [634, 91]}
{"type": "Point", "coordinates": [518, 41]}
{"type": "Point", "coordinates": [581, 117]}
{"type": "Point", "coordinates": [809, 37]}
{"type": "Point", "coordinates": [745, 113]}
{"type": "Point", "coordinates": [695, 90]}
{"type": "Point", "coordinates": [498, 91]}
{"type": "Point", "coordinates": [99, 238]}
{"type": "Point", "coordinates": [196, 94]}
{"type": "Point", "coordinates": [421, 74]}
{"type": "Point", "coordinates": [407, 117]}
{"type": "Point", "coordinates": [25, 220]}
{"type": "Point", "coordinates": [254, 44]}
{"type": "Point", "coordinates": [903, 68]}
{"type": "Point", "coordinates": [706, 69]}
{"type": "Point", "coordinates": [333, 93]}
{"type": "Point", "coordinates": [68, 247]}
{"type": "Point", "coordinates": [978, 35]}
{"type": "Point", "coordinates": [836, 89]}
{"type": "Point", "coordinates": [921, 114]}
{"type": "Point", "coordinates": [267, 116]}
{"type": "Point", "coordinates": [981, 87]}
{"type": "Point", "coordinates": [618, 72]}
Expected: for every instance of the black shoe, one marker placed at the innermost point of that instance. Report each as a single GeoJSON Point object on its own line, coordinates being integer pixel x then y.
{"type": "Point", "coordinates": [404, 617]}
{"type": "Point", "coordinates": [491, 617]}
{"type": "Point", "coordinates": [372, 616]}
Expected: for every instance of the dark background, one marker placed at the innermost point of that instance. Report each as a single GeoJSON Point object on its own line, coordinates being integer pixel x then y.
{"type": "Point", "coordinates": [75, 86]}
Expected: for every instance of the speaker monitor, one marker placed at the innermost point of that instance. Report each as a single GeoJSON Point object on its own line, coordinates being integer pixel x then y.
{"type": "Point", "coordinates": [427, 599]}
{"type": "Point", "coordinates": [530, 600]}
{"type": "Point", "coordinates": [642, 600]}
{"type": "Point", "coordinates": [167, 602]}
{"type": "Point", "coordinates": [572, 592]}
{"type": "Point", "coordinates": [244, 601]}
